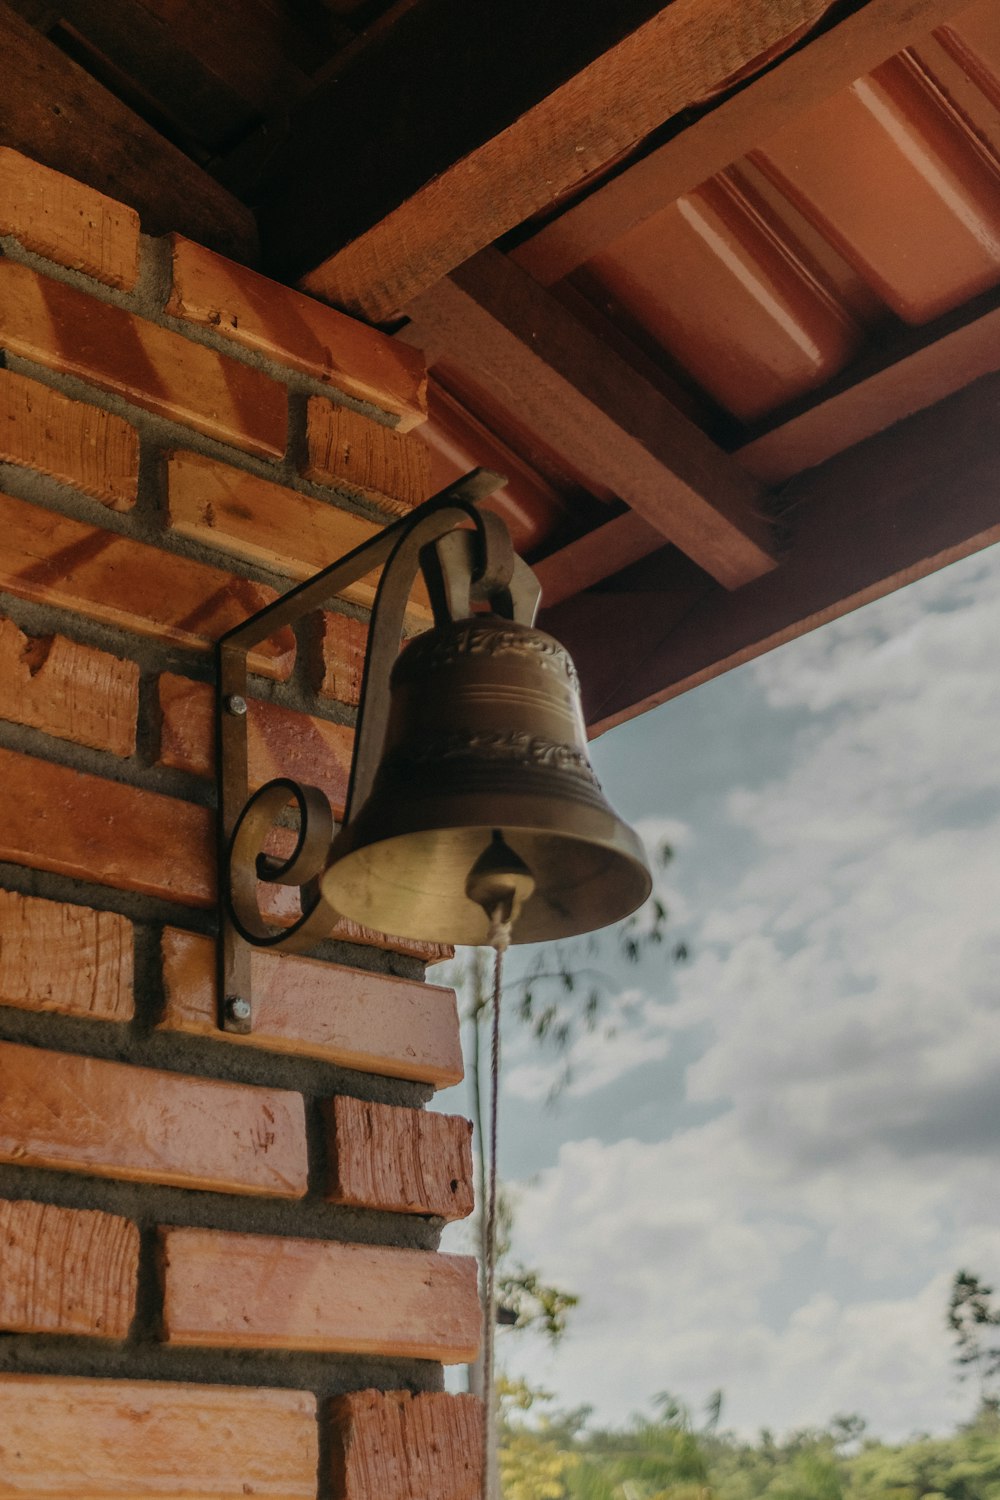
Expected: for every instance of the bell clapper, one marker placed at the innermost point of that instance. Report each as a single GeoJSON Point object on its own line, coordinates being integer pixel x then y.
{"type": "Point", "coordinates": [500, 882]}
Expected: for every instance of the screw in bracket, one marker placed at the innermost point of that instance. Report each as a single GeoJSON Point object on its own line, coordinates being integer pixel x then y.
{"type": "Point", "coordinates": [237, 1008]}
{"type": "Point", "coordinates": [236, 705]}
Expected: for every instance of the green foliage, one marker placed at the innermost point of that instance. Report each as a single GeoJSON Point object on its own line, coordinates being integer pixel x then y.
{"type": "Point", "coordinates": [534, 1461]}
{"type": "Point", "coordinates": [970, 1314]}
{"type": "Point", "coordinates": [524, 1300]}
{"type": "Point", "coordinates": [548, 1456]}
{"type": "Point", "coordinates": [530, 1302]}
{"type": "Point", "coordinates": [545, 1455]}
{"type": "Point", "coordinates": [657, 1458]}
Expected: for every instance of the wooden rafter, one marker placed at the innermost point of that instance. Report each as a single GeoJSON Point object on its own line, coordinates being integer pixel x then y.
{"type": "Point", "coordinates": [886, 512]}
{"type": "Point", "coordinates": [545, 366]}
{"type": "Point", "coordinates": [596, 555]}
{"type": "Point", "coordinates": [925, 367]}
{"type": "Point", "coordinates": [832, 61]}
{"type": "Point", "coordinates": [507, 105]}
{"type": "Point", "coordinates": [56, 113]}
{"type": "Point", "coordinates": [204, 70]}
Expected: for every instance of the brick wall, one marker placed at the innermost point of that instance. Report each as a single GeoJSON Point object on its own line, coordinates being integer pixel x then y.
{"type": "Point", "coordinates": [219, 1272]}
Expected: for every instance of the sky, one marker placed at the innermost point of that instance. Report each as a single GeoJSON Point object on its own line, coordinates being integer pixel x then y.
{"type": "Point", "coordinates": [772, 1158]}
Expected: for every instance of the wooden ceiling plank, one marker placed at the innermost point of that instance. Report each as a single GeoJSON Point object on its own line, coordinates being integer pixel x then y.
{"type": "Point", "coordinates": [54, 112]}
{"type": "Point", "coordinates": [256, 49]}
{"type": "Point", "coordinates": [42, 14]}
{"type": "Point", "coordinates": [519, 107]}
{"type": "Point", "coordinates": [537, 359]}
{"type": "Point", "coordinates": [132, 51]}
{"type": "Point", "coordinates": [832, 61]}
{"type": "Point", "coordinates": [891, 510]}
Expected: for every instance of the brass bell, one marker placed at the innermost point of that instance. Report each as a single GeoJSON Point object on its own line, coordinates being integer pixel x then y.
{"type": "Point", "coordinates": [484, 795]}
{"type": "Point", "coordinates": [472, 814]}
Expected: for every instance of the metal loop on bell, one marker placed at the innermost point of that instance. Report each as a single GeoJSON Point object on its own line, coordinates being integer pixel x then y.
{"type": "Point", "coordinates": [468, 567]}
{"type": "Point", "coordinates": [497, 560]}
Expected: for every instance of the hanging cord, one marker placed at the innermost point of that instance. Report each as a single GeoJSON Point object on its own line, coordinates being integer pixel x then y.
{"type": "Point", "coordinates": [499, 940]}
{"type": "Point", "coordinates": [500, 882]}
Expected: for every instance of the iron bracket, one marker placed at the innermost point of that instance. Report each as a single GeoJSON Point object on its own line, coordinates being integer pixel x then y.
{"type": "Point", "coordinates": [472, 564]}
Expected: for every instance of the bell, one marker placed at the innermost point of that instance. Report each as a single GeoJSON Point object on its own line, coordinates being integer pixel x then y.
{"type": "Point", "coordinates": [484, 803]}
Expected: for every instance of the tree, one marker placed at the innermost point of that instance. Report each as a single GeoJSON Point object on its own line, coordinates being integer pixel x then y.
{"type": "Point", "coordinates": [555, 1456]}
{"type": "Point", "coordinates": [535, 1460]}
{"type": "Point", "coordinates": [847, 1430]}
{"type": "Point", "coordinates": [970, 1313]}
{"type": "Point", "coordinates": [524, 1300]}
{"type": "Point", "coordinates": [652, 1458]}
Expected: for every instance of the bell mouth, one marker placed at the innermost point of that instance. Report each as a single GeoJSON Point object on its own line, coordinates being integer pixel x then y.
{"type": "Point", "coordinates": [412, 883]}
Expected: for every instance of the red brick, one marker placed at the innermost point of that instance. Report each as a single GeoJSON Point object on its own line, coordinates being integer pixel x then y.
{"type": "Point", "coordinates": [52, 559]}
{"type": "Point", "coordinates": [66, 1270]}
{"type": "Point", "coordinates": [55, 818]}
{"type": "Point", "coordinates": [346, 931]}
{"type": "Point", "coordinates": [68, 223]}
{"type": "Point", "coordinates": [91, 449]}
{"type": "Point", "coordinates": [297, 331]}
{"type": "Point", "coordinates": [312, 1294]}
{"type": "Point", "coordinates": [391, 469]}
{"type": "Point", "coordinates": [409, 1161]}
{"type": "Point", "coordinates": [343, 643]}
{"type": "Point", "coordinates": [74, 692]}
{"type": "Point", "coordinates": [401, 1447]}
{"type": "Point", "coordinates": [265, 523]}
{"type": "Point", "coordinates": [82, 1114]}
{"type": "Point", "coordinates": [399, 1028]}
{"type": "Point", "coordinates": [70, 1439]}
{"type": "Point", "coordinates": [66, 330]}
{"type": "Point", "coordinates": [280, 742]}
{"type": "Point", "coordinates": [64, 958]}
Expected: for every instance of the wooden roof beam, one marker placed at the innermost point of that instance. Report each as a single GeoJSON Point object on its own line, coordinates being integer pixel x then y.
{"type": "Point", "coordinates": [860, 41]}
{"type": "Point", "coordinates": [880, 515]}
{"type": "Point", "coordinates": [58, 115]}
{"type": "Point", "coordinates": [916, 370]}
{"type": "Point", "coordinates": [544, 366]}
{"type": "Point", "coordinates": [461, 121]}
{"type": "Point", "coordinates": [920, 369]}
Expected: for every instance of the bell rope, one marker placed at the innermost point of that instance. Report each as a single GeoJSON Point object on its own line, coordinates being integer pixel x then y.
{"type": "Point", "coordinates": [499, 940]}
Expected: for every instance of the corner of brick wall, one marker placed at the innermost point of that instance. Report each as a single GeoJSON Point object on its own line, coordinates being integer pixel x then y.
{"type": "Point", "coordinates": [219, 1271]}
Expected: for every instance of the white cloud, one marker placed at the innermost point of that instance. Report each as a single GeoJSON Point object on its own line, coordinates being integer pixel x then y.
{"type": "Point", "coordinates": [675, 1248]}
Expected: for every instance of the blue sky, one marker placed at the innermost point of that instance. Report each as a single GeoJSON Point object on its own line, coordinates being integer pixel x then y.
{"type": "Point", "coordinates": [766, 1177]}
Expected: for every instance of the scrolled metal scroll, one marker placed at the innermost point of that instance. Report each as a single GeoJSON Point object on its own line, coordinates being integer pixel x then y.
{"type": "Point", "coordinates": [248, 862]}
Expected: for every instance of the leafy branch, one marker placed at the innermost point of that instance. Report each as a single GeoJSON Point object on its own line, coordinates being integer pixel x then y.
{"type": "Point", "coordinates": [970, 1313]}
